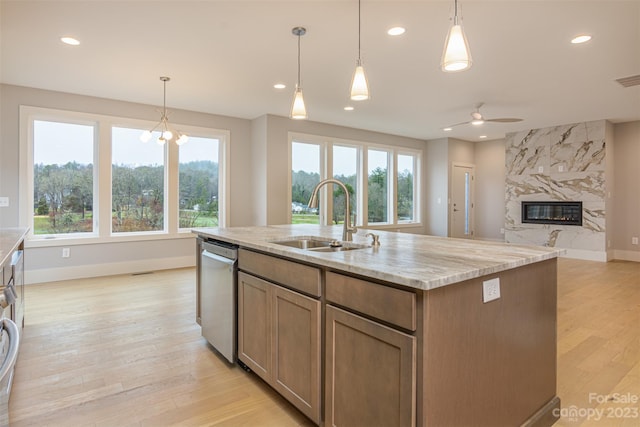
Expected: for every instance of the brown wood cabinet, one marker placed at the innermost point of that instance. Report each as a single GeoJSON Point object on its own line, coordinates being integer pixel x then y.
{"type": "Point", "coordinates": [352, 351]}
{"type": "Point", "coordinates": [254, 320]}
{"type": "Point", "coordinates": [279, 339]}
{"type": "Point", "coordinates": [370, 377]}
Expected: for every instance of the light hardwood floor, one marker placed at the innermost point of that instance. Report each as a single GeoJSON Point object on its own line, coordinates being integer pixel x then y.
{"type": "Point", "coordinates": [126, 351]}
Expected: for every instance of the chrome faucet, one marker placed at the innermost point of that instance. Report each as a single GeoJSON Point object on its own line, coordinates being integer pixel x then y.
{"type": "Point", "coordinates": [348, 230]}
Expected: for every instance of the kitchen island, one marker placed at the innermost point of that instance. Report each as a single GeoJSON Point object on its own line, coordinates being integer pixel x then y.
{"type": "Point", "coordinates": [420, 330]}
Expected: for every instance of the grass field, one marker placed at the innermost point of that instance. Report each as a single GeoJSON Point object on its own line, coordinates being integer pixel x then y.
{"type": "Point", "coordinates": [305, 218]}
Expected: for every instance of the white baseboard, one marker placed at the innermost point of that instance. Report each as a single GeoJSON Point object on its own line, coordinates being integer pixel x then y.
{"type": "Point", "coordinates": [586, 255]}
{"type": "Point", "coordinates": [626, 255]}
{"type": "Point", "coordinates": [110, 269]}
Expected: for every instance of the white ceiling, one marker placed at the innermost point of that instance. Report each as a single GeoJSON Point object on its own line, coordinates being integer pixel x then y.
{"type": "Point", "coordinates": [223, 57]}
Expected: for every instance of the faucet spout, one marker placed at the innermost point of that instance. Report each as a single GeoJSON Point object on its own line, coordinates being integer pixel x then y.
{"type": "Point", "coordinates": [348, 229]}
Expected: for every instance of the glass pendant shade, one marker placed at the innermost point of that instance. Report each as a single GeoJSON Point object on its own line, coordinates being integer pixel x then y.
{"type": "Point", "coordinates": [146, 136]}
{"type": "Point", "coordinates": [456, 55]}
{"type": "Point", "coordinates": [167, 135]}
{"type": "Point", "coordinates": [359, 86]}
{"type": "Point", "coordinates": [182, 139]}
{"type": "Point", "coordinates": [298, 110]}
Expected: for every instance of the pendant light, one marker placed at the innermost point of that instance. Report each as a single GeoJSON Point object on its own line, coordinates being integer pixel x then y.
{"type": "Point", "coordinates": [166, 134]}
{"type": "Point", "coordinates": [359, 85]}
{"type": "Point", "coordinates": [456, 55]}
{"type": "Point", "coordinates": [298, 110]}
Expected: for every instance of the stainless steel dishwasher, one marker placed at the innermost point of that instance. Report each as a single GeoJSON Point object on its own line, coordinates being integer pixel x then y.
{"type": "Point", "coordinates": [218, 296]}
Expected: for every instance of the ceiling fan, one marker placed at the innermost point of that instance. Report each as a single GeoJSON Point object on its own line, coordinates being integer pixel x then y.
{"type": "Point", "coordinates": [477, 118]}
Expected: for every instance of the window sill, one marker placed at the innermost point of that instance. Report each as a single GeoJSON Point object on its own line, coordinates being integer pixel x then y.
{"type": "Point", "coordinates": [76, 240]}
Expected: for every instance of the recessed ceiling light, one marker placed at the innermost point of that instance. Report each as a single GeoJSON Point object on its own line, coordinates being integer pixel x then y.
{"type": "Point", "coordinates": [70, 40]}
{"type": "Point", "coordinates": [396, 31]}
{"type": "Point", "coordinates": [447, 129]}
{"type": "Point", "coordinates": [348, 108]}
{"type": "Point", "coordinates": [279, 86]}
{"type": "Point", "coordinates": [482, 136]}
{"type": "Point", "coordinates": [583, 38]}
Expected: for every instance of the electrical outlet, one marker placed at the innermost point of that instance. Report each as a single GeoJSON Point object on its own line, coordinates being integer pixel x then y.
{"type": "Point", "coordinates": [540, 169]}
{"type": "Point", "coordinates": [491, 289]}
{"type": "Point", "coordinates": [634, 240]}
{"type": "Point", "coordinates": [4, 202]}
{"type": "Point", "coordinates": [502, 231]}
{"type": "Point", "coordinates": [66, 252]}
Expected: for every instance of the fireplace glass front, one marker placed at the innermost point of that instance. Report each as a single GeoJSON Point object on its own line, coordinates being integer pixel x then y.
{"type": "Point", "coordinates": [564, 213]}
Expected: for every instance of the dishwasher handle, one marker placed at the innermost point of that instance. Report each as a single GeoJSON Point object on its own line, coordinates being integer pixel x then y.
{"type": "Point", "coordinates": [207, 254]}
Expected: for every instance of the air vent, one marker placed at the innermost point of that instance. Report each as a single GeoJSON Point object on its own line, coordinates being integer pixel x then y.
{"type": "Point", "coordinates": [629, 81]}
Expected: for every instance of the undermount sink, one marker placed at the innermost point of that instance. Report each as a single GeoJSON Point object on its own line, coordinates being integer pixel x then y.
{"type": "Point", "coordinates": [319, 244]}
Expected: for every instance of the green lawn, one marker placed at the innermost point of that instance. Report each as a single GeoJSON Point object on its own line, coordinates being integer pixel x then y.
{"type": "Point", "coordinates": [305, 219]}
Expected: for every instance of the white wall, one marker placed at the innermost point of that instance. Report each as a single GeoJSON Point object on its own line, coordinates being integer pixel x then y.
{"type": "Point", "coordinates": [627, 190]}
{"type": "Point", "coordinates": [258, 170]}
{"type": "Point", "coordinates": [490, 187]}
{"type": "Point", "coordinates": [436, 181]}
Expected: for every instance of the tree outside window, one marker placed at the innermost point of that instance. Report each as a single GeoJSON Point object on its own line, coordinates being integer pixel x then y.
{"type": "Point", "coordinates": [62, 177]}
{"type": "Point", "coordinates": [305, 175]}
{"type": "Point", "coordinates": [378, 186]}
{"type": "Point", "coordinates": [198, 183]}
{"type": "Point", "coordinates": [137, 183]}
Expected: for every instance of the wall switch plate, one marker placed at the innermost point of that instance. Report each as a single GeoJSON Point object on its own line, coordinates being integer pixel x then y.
{"type": "Point", "coordinates": [540, 169]}
{"type": "Point", "coordinates": [634, 240]}
{"type": "Point", "coordinates": [561, 168]}
{"type": "Point", "coordinates": [4, 202]}
{"type": "Point", "coordinates": [502, 231]}
{"type": "Point", "coordinates": [491, 289]}
{"type": "Point", "coordinates": [66, 252]}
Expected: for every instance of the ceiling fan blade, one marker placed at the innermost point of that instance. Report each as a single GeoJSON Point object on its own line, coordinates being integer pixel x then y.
{"type": "Point", "coordinates": [458, 124]}
{"type": "Point", "coordinates": [504, 120]}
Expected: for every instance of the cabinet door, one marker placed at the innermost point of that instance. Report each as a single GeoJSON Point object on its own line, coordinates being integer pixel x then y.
{"type": "Point", "coordinates": [370, 373]}
{"type": "Point", "coordinates": [296, 350]}
{"type": "Point", "coordinates": [254, 320]}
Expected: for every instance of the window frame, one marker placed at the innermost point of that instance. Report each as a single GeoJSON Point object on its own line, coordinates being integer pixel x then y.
{"type": "Point", "coordinates": [326, 161]}
{"type": "Point", "coordinates": [102, 177]}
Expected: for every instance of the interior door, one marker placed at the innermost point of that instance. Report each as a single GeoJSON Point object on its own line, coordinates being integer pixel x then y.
{"type": "Point", "coordinates": [462, 201]}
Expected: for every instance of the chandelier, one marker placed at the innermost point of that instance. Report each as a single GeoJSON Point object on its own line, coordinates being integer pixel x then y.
{"type": "Point", "coordinates": [166, 134]}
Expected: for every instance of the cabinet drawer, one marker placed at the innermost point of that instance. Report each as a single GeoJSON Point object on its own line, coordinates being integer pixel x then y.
{"type": "Point", "coordinates": [301, 277]}
{"type": "Point", "coordinates": [382, 302]}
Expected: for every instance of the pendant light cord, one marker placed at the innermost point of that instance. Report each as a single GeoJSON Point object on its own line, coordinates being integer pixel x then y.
{"type": "Point", "coordinates": [298, 60]}
{"type": "Point", "coordinates": [359, 31]}
{"type": "Point", "coordinates": [455, 12]}
{"type": "Point", "coordinates": [164, 99]}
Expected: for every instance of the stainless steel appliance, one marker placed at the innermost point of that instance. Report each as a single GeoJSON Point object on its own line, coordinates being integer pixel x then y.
{"type": "Point", "coordinates": [11, 320]}
{"type": "Point", "coordinates": [218, 295]}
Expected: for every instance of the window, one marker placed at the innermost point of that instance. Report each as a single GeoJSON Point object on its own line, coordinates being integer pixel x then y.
{"type": "Point", "coordinates": [382, 181]}
{"type": "Point", "coordinates": [378, 186]}
{"type": "Point", "coordinates": [137, 182]}
{"type": "Point", "coordinates": [62, 177]}
{"type": "Point", "coordinates": [345, 170]}
{"type": "Point", "coordinates": [305, 175]}
{"type": "Point", "coordinates": [406, 188]}
{"type": "Point", "coordinates": [199, 183]}
{"type": "Point", "coordinates": [90, 177]}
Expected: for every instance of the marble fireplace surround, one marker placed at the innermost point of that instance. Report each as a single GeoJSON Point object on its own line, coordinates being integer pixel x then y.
{"type": "Point", "coordinates": [562, 163]}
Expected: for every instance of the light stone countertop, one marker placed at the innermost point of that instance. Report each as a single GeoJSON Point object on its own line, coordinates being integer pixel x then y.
{"type": "Point", "coordinates": [10, 238]}
{"type": "Point", "coordinates": [417, 261]}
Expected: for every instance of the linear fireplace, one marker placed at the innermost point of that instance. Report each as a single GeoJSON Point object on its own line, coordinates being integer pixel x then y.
{"type": "Point", "coordinates": [564, 213]}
